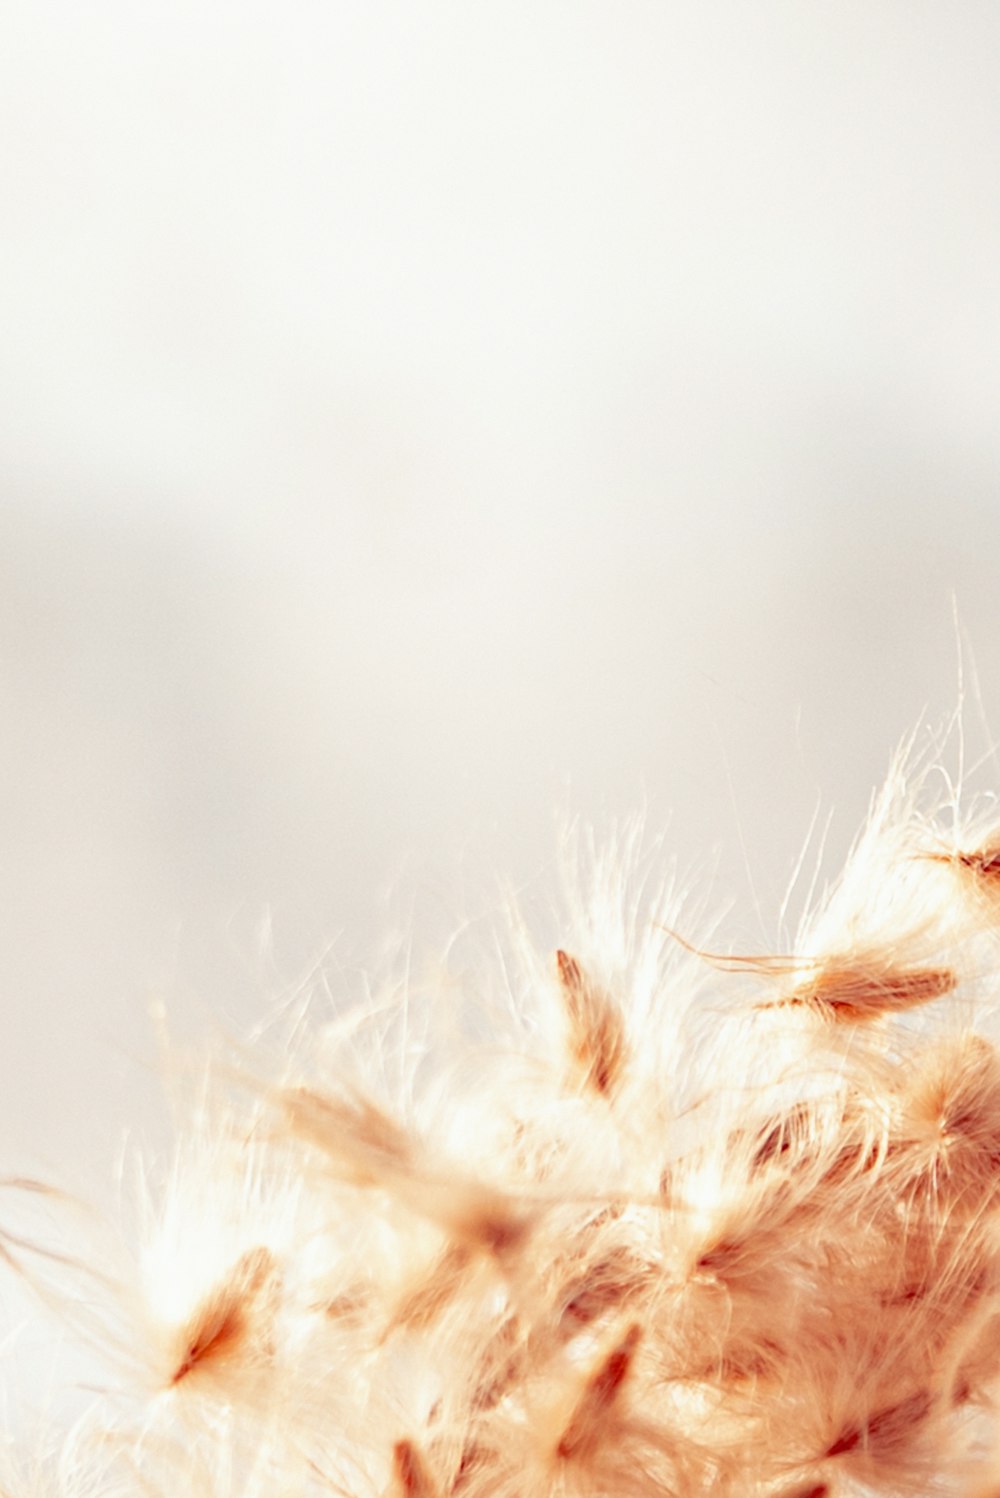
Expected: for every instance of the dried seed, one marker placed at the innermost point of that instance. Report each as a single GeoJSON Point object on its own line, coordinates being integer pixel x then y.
{"type": "Point", "coordinates": [852, 989]}
{"type": "Point", "coordinates": [353, 1132]}
{"type": "Point", "coordinates": [422, 1306]}
{"type": "Point", "coordinates": [884, 1430]}
{"type": "Point", "coordinates": [855, 992]}
{"type": "Point", "coordinates": [982, 863]}
{"type": "Point", "coordinates": [220, 1327]}
{"type": "Point", "coordinates": [589, 1420]}
{"type": "Point", "coordinates": [410, 1472]}
{"type": "Point", "coordinates": [597, 1030]}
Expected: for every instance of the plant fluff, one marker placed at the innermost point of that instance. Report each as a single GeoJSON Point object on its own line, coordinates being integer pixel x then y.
{"type": "Point", "coordinates": [636, 1218]}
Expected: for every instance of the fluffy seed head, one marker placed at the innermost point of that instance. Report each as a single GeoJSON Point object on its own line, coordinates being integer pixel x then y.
{"type": "Point", "coordinates": [669, 1223]}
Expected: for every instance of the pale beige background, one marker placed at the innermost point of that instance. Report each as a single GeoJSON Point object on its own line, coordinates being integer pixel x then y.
{"type": "Point", "coordinates": [422, 419]}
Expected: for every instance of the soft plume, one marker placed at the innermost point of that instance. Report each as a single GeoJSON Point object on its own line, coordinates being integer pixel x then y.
{"type": "Point", "coordinates": [642, 1215]}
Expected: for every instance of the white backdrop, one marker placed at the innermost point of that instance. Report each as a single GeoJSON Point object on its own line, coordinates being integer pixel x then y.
{"type": "Point", "coordinates": [423, 420]}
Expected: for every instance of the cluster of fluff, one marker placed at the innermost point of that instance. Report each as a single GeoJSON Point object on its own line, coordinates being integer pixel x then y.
{"type": "Point", "coordinates": [638, 1219]}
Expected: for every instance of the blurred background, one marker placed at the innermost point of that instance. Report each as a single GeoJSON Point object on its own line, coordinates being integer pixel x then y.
{"type": "Point", "coordinates": [424, 422]}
